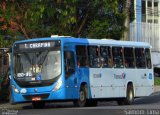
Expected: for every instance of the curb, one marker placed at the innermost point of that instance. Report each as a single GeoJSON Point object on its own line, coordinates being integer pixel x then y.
{"type": "Point", "coordinates": [155, 93]}
{"type": "Point", "coordinates": [6, 106]}
{"type": "Point", "coordinates": [156, 88]}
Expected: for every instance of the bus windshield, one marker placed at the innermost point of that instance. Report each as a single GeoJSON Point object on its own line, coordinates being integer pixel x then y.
{"type": "Point", "coordinates": [37, 66]}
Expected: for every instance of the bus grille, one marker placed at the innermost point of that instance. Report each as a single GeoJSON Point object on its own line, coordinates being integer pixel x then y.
{"type": "Point", "coordinates": [29, 97]}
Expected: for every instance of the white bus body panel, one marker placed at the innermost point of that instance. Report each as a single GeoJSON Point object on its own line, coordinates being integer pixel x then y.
{"type": "Point", "coordinates": [112, 82]}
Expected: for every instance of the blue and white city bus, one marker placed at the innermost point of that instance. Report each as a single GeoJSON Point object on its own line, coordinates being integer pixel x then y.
{"type": "Point", "coordinates": [81, 70]}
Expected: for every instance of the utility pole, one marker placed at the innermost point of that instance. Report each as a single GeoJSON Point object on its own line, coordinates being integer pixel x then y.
{"type": "Point", "coordinates": [125, 36]}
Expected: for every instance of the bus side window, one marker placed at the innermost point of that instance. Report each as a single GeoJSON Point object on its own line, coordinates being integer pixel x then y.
{"type": "Point", "coordinates": [81, 53]}
{"type": "Point", "coordinates": [140, 58]}
{"type": "Point", "coordinates": [105, 54]}
{"type": "Point", "coordinates": [148, 58]}
{"type": "Point", "coordinates": [69, 63]}
{"type": "Point", "coordinates": [93, 56]}
{"type": "Point", "coordinates": [129, 58]}
{"type": "Point", "coordinates": [117, 57]}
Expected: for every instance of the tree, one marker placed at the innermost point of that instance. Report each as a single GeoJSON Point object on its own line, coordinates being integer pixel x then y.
{"type": "Point", "coordinates": [107, 20]}
{"type": "Point", "coordinates": [23, 19]}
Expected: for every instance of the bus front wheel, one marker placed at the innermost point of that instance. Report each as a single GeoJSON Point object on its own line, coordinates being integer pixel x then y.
{"type": "Point", "coordinates": [81, 102]}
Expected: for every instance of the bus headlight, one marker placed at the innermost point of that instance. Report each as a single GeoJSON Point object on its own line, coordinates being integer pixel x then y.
{"type": "Point", "coordinates": [58, 85]}
{"type": "Point", "coordinates": [15, 89]}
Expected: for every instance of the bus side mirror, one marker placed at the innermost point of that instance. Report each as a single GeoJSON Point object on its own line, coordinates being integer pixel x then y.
{"type": "Point", "coordinates": [10, 77]}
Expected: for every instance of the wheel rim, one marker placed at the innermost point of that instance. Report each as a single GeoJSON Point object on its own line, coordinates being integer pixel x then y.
{"type": "Point", "coordinates": [130, 96]}
{"type": "Point", "coordinates": [82, 96]}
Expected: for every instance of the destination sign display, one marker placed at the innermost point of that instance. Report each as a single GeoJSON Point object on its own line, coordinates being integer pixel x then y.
{"type": "Point", "coordinates": [37, 45]}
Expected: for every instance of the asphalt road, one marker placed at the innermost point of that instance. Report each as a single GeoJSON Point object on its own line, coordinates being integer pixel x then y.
{"type": "Point", "coordinates": [142, 106]}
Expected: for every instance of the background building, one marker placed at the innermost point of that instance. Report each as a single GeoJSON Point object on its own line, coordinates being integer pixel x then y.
{"type": "Point", "coordinates": [150, 11]}
{"type": "Point", "coordinates": [146, 26]}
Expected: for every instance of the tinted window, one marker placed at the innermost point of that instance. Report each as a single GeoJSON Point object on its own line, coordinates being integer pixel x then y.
{"type": "Point", "coordinates": [129, 58]}
{"type": "Point", "coordinates": [69, 63]}
{"type": "Point", "coordinates": [81, 52]}
{"type": "Point", "coordinates": [140, 58]}
{"type": "Point", "coordinates": [106, 59]}
{"type": "Point", "coordinates": [93, 56]}
{"type": "Point", "coordinates": [148, 58]}
{"type": "Point", "coordinates": [117, 57]}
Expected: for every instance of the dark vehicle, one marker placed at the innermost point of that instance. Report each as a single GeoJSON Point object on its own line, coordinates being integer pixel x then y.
{"type": "Point", "coordinates": [4, 74]}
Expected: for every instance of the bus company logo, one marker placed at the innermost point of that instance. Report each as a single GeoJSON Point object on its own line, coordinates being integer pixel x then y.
{"type": "Point", "coordinates": [150, 76]}
{"type": "Point", "coordinates": [122, 76]}
{"type": "Point", "coordinates": [35, 90]}
{"type": "Point", "coordinates": [97, 75]}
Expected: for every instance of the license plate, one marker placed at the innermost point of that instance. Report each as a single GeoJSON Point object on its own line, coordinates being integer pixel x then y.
{"type": "Point", "coordinates": [36, 98]}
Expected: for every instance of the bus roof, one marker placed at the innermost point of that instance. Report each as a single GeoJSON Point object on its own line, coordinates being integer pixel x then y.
{"type": "Point", "coordinates": [67, 39]}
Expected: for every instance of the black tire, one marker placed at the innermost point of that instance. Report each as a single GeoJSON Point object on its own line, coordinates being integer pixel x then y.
{"type": "Point", "coordinates": [129, 97]}
{"type": "Point", "coordinates": [81, 102]}
{"type": "Point", "coordinates": [38, 104]}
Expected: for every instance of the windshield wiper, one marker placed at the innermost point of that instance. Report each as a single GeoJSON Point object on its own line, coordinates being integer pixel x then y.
{"type": "Point", "coordinates": [39, 62]}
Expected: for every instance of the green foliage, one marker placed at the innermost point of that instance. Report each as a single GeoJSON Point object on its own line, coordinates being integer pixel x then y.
{"type": "Point", "coordinates": [83, 18]}
{"type": "Point", "coordinates": [108, 19]}
{"type": "Point", "coordinates": [157, 81]}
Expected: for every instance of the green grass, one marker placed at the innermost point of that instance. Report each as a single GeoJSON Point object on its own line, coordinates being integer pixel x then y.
{"type": "Point", "coordinates": [157, 81]}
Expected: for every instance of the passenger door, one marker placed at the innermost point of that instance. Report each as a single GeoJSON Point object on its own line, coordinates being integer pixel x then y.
{"type": "Point", "coordinates": [70, 74]}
